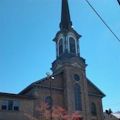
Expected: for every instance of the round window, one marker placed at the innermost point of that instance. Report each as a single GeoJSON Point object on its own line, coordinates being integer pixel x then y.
{"type": "Point", "coordinates": [76, 77]}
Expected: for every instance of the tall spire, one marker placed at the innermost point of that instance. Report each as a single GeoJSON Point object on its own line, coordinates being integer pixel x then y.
{"type": "Point", "coordinates": [65, 23]}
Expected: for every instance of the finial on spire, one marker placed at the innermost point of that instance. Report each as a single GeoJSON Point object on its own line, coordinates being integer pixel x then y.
{"type": "Point", "coordinates": [65, 16]}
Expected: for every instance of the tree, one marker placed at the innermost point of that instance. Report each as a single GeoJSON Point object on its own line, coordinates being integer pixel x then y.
{"type": "Point", "coordinates": [58, 113]}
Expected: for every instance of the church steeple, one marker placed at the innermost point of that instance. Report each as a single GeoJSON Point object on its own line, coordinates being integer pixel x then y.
{"type": "Point", "coordinates": [67, 39]}
{"type": "Point", "coordinates": [65, 23]}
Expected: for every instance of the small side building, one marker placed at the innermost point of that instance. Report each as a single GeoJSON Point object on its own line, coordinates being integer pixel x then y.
{"type": "Point", "coordinates": [15, 106]}
{"type": "Point", "coordinates": [110, 116]}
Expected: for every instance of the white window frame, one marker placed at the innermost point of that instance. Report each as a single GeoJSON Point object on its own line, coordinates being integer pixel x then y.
{"type": "Point", "coordinates": [63, 41]}
{"type": "Point", "coordinates": [68, 38]}
{"type": "Point", "coordinates": [16, 103]}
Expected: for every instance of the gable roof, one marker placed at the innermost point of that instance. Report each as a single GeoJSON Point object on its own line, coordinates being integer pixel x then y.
{"type": "Point", "coordinates": [31, 86]}
{"type": "Point", "coordinates": [96, 92]}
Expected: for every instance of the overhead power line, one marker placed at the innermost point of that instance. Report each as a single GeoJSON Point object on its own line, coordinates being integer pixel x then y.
{"type": "Point", "coordinates": [103, 21]}
{"type": "Point", "coordinates": [118, 1]}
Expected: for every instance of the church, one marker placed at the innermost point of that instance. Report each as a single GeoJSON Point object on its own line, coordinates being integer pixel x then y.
{"type": "Point", "coordinates": [68, 87]}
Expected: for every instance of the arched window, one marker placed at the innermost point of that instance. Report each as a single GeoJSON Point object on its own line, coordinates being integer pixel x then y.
{"type": "Point", "coordinates": [60, 46]}
{"type": "Point", "coordinates": [93, 109]}
{"type": "Point", "coordinates": [49, 102]}
{"type": "Point", "coordinates": [77, 93]}
{"type": "Point", "coordinates": [72, 45]}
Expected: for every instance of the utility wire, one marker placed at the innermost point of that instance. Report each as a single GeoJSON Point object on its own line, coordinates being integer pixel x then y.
{"type": "Point", "coordinates": [118, 1]}
{"type": "Point", "coordinates": [103, 20]}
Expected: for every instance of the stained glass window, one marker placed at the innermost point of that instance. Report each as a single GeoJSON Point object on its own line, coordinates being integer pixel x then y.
{"type": "Point", "coordinates": [49, 102]}
{"type": "Point", "coordinates": [93, 109]}
{"type": "Point", "coordinates": [77, 93]}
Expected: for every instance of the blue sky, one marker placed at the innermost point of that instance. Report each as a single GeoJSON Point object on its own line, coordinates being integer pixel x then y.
{"type": "Point", "coordinates": [27, 28]}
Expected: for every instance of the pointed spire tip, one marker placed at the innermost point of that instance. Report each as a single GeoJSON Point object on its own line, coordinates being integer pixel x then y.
{"type": "Point", "coordinates": [65, 16]}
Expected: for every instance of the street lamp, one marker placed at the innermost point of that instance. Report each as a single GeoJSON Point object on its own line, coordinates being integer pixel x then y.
{"type": "Point", "coordinates": [50, 78]}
